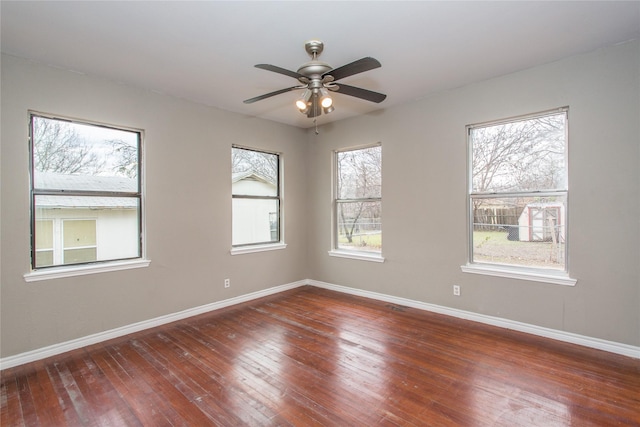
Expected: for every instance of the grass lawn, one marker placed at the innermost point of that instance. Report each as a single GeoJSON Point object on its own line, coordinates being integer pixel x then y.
{"type": "Point", "coordinates": [494, 246]}
{"type": "Point", "coordinates": [362, 242]}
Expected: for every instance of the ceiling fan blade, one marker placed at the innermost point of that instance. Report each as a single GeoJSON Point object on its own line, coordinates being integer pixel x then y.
{"type": "Point", "coordinates": [270, 94]}
{"type": "Point", "coordinates": [368, 95]}
{"type": "Point", "coordinates": [359, 66]}
{"type": "Point", "coordinates": [280, 70]}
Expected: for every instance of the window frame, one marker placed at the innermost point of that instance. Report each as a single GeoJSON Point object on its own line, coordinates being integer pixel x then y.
{"type": "Point", "coordinates": [244, 248]}
{"type": "Point", "coordinates": [37, 273]}
{"type": "Point", "coordinates": [540, 274]}
{"type": "Point", "coordinates": [336, 251]}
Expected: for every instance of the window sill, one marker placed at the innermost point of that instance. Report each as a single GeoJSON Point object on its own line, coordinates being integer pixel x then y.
{"type": "Point", "coordinates": [362, 256]}
{"type": "Point", "coordinates": [80, 270]}
{"type": "Point", "coordinates": [257, 248]}
{"type": "Point", "coordinates": [556, 278]}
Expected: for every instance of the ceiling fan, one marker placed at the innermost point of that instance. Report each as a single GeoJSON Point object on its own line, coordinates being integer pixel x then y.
{"type": "Point", "coordinates": [317, 78]}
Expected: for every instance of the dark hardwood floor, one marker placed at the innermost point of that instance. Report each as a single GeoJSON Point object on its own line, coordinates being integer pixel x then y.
{"type": "Point", "coordinates": [310, 357]}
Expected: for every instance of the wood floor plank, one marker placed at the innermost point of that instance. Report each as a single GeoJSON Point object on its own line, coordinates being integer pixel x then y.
{"type": "Point", "coordinates": [65, 401]}
{"type": "Point", "coordinates": [11, 413]}
{"type": "Point", "coordinates": [46, 403]}
{"type": "Point", "coordinates": [313, 357]}
{"type": "Point", "coordinates": [27, 404]}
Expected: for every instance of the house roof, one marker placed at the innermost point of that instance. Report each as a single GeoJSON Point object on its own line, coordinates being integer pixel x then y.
{"type": "Point", "coordinates": [250, 175]}
{"type": "Point", "coordinates": [78, 202]}
{"type": "Point", "coordinates": [58, 181]}
{"type": "Point", "coordinates": [51, 181]}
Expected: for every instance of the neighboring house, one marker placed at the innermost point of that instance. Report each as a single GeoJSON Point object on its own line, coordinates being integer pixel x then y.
{"type": "Point", "coordinates": [75, 229]}
{"type": "Point", "coordinates": [255, 220]}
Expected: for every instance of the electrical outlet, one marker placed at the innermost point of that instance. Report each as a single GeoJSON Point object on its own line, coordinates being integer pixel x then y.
{"type": "Point", "coordinates": [227, 283]}
{"type": "Point", "coordinates": [456, 290]}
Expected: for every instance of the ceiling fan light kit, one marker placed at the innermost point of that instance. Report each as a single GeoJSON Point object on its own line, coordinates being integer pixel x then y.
{"type": "Point", "coordinates": [317, 78]}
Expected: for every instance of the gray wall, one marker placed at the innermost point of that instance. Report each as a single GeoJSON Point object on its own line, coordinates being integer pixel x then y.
{"type": "Point", "coordinates": [188, 201]}
{"type": "Point", "coordinates": [424, 203]}
{"type": "Point", "coordinates": [188, 209]}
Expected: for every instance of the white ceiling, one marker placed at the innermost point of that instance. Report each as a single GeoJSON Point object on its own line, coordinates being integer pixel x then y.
{"type": "Point", "coordinates": [206, 51]}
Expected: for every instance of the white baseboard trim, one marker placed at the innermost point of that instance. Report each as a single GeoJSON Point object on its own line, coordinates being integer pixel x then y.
{"type": "Point", "coordinates": [600, 344]}
{"type": "Point", "coordinates": [52, 350]}
{"type": "Point", "coordinates": [42, 353]}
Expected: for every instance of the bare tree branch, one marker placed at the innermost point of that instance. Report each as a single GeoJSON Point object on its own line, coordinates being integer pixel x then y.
{"type": "Point", "coordinates": [58, 148]}
{"type": "Point", "coordinates": [263, 164]}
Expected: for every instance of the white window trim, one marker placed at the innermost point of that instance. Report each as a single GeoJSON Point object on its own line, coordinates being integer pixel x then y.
{"type": "Point", "coordinates": [84, 269]}
{"type": "Point", "coordinates": [362, 256]}
{"type": "Point", "coordinates": [545, 276]}
{"type": "Point", "coordinates": [257, 248]}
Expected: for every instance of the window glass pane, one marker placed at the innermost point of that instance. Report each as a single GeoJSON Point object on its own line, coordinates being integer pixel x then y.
{"type": "Point", "coordinates": [254, 173]}
{"type": "Point", "coordinates": [255, 221]}
{"type": "Point", "coordinates": [523, 231]}
{"type": "Point", "coordinates": [113, 230]}
{"type": "Point", "coordinates": [360, 226]}
{"type": "Point", "coordinates": [75, 156]}
{"type": "Point", "coordinates": [44, 243]}
{"type": "Point", "coordinates": [79, 233]}
{"type": "Point", "coordinates": [44, 258]}
{"type": "Point", "coordinates": [76, 256]}
{"type": "Point", "coordinates": [359, 173]}
{"type": "Point", "coordinates": [44, 234]}
{"type": "Point", "coordinates": [523, 155]}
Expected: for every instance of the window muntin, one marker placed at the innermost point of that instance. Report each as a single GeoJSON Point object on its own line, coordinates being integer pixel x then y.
{"type": "Point", "coordinates": [358, 200]}
{"type": "Point", "coordinates": [256, 201]}
{"type": "Point", "coordinates": [86, 193]}
{"type": "Point", "coordinates": [518, 192]}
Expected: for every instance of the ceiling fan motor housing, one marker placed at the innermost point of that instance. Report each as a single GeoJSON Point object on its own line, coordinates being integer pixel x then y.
{"type": "Point", "coordinates": [314, 69]}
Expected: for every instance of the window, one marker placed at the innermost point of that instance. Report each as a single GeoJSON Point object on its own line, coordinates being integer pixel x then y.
{"type": "Point", "coordinates": [79, 241]}
{"type": "Point", "coordinates": [358, 200]}
{"type": "Point", "coordinates": [85, 193]}
{"type": "Point", "coordinates": [518, 193]}
{"type": "Point", "coordinates": [256, 204]}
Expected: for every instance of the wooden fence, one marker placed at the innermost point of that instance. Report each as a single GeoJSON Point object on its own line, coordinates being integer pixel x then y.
{"type": "Point", "coordinates": [493, 219]}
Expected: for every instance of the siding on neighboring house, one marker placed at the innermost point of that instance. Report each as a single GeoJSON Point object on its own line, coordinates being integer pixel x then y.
{"type": "Point", "coordinates": [253, 219]}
